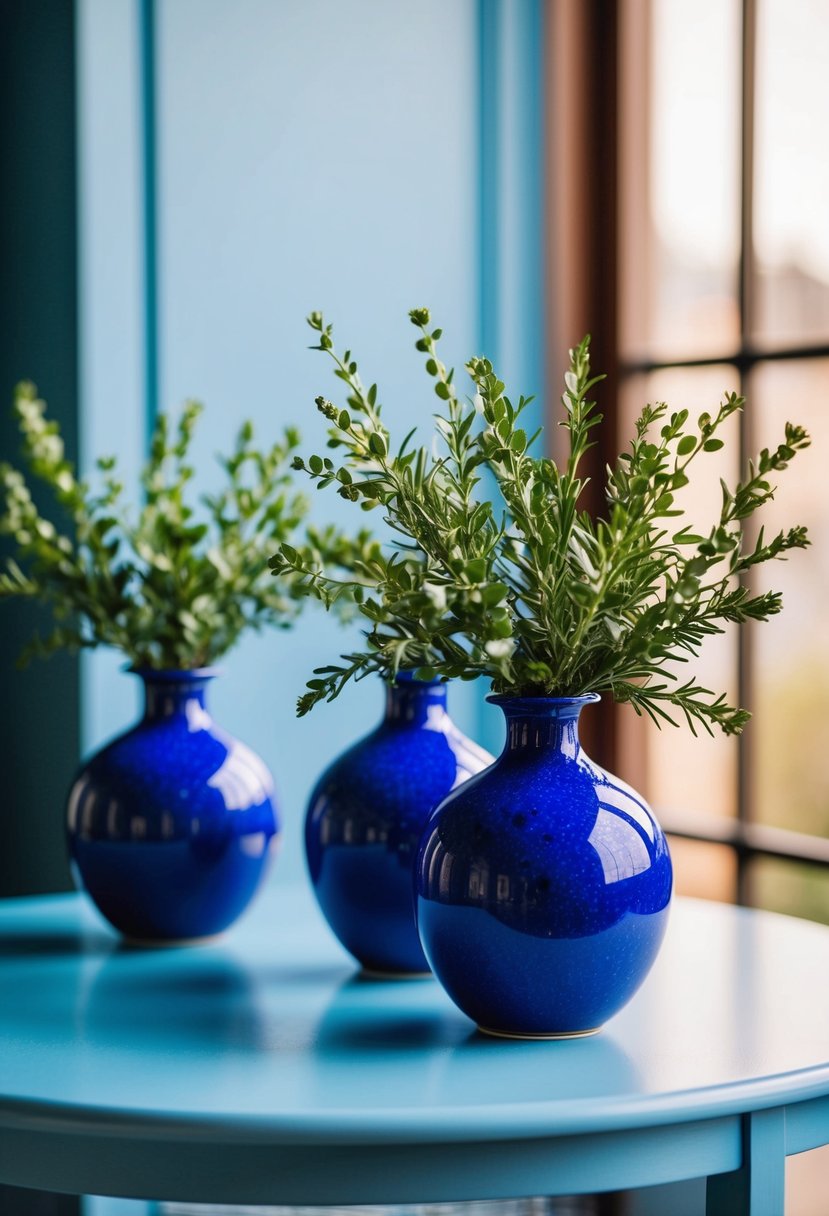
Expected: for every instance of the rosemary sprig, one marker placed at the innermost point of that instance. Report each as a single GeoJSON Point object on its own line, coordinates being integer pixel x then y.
{"type": "Point", "coordinates": [530, 590]}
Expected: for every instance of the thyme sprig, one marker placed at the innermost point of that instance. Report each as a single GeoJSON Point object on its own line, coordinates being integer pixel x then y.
{"type": "Point", "coordinates": [531, 590]}
{"type": "Point", "coordinates": [172, 586]}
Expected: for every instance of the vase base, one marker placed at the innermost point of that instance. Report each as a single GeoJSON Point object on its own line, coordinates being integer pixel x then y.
{"type": "Point", "coordinates": [373, 973]}
{"type": "Point", "coordinates": [167, 943]}
{"type": "Point", "coordinates": [560, 1034]}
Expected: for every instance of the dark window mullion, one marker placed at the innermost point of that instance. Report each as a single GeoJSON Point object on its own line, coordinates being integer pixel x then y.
{"type": "Point", "coordinates": [746, 287]}
{"type": "Point", "coordinates": [744, 359]}
{"type": "Point", "coordinates": [751, 840]}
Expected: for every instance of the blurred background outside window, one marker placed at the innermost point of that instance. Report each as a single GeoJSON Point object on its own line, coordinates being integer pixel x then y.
{"type": "Point", "coordinates": [724, 284]}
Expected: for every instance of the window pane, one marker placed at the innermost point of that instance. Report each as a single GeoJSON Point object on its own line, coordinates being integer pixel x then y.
{"type": "Point", "coordinates": [680, 773]}
{"type": "Point", "coordinates": [790, 733]}
{"type": "Point", "coordinates": [790, 887]}
{"type": "Point", "coordinates": [706, 871]}
{"type": "Point", "coordinates": [681, 210]}
{"type": "Point", "coordinates": [791, 235]}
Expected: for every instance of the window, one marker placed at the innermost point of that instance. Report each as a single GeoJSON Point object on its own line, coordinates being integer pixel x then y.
{"type": "Point", "coordinates": [688, 200]}
{"type": "Point", "coordinates": [699, 128]}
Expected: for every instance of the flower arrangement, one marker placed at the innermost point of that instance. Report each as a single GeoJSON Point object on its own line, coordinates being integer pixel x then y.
{"type": "Point", "coordinates": [526, 588]}
{"type": "Point", "coordinates": [168, 586]}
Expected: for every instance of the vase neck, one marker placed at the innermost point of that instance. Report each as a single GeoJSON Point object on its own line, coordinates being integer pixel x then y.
{"type": "Point", "coordinates": [542, 724]}
{"type": "Point", "coordinates": [168, 694]}
{"type": "Point", "coordinates": [415, 702]}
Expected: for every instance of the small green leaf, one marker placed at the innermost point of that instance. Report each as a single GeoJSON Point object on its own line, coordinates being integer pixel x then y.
{"type": "Point", "coordinates": [476, 569]}
{"type": "Point", "coordinates": [494, 594]}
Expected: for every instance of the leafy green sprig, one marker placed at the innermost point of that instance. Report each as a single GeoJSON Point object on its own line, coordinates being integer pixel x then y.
{"type": "Point", "coordinates": [172, 587]}
{"type": "Point", "coordinates": [418, 596]}
{"type": "Point", "coordinates": [532, 591]}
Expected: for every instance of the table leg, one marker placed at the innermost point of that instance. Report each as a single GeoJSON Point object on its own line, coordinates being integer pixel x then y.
{"type": "Point", "coordinates": [758, 1187]}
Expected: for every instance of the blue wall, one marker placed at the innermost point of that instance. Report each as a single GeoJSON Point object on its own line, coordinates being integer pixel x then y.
{"type": "Point", "coordinates": [358, 158]}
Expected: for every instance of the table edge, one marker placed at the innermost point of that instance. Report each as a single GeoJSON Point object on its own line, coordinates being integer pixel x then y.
{"type": "Point", "coordinates": [425, 1125]}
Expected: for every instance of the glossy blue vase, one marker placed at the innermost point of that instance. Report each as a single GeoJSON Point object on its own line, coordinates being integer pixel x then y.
{"type": "Point", "coordinates": [365, 818]}
{"type": "Point", "coordinates": [172, 825]}
{"type": "Point", "coordinates": [543, 885]}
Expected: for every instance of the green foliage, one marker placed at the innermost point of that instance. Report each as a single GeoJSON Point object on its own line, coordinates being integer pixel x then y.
{"type": "Point", "coordinates": [531, 591]}
{"type": "Point", "coordinates": [170, 588]}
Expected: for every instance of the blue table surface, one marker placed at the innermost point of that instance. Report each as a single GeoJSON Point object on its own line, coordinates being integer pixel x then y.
{"type": "Point", "coordinates": [270, 1031]}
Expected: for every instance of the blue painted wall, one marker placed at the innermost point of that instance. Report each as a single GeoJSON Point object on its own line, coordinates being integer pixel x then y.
{"type": "Point", "coordinates": [354, 158]}
{"type": "Point", "coordinates": [111, 261]}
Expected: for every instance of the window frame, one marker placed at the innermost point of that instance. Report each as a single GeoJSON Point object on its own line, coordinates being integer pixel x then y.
{"type": "Point", "coordinates": [597, 116]}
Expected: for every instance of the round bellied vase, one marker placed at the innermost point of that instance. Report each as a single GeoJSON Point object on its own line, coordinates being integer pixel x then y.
{"type": "Point", "coordinates": [365, 817]}
{"type": "Point", "coordinates": [171, 826]}
{"type": "Point", "coordinates": [543, 885]}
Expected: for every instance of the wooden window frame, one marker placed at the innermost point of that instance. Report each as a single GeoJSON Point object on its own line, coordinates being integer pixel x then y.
{"type": "Point", "coordinates": [594, 51]}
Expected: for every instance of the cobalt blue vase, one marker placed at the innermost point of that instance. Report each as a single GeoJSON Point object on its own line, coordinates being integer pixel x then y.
{"type": "Point", "coordinates": [171, 826]}
{"type": "Point", "coordinates": [365, 818]}
{"type": "Point", "coordinates": [543, 885]}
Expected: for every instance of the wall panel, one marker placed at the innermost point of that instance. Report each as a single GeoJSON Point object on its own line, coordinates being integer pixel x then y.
{"type": "Point", "coordinates": [313, 155]}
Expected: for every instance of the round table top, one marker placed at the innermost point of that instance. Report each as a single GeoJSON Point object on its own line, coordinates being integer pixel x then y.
{"type": "Point", "coordinates": [270, 1035]}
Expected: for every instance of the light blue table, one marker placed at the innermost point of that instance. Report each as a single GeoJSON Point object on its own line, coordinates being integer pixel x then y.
{"type": "Point", "coordinates": [261, 1069]}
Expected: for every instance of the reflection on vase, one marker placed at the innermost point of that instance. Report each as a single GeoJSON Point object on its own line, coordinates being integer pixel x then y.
{"type": "Point", "coordinates": [543, 884]}
{"type": "Point", "coordinates": [365, 817]}
{"type": "Point", "coordinates": [172, 825]}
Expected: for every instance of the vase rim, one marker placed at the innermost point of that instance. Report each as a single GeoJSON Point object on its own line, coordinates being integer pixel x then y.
{"type": "Point", "coordinates": [408, 677]}
{"type": "Point", "coordinates": [173, 675]}
{"type": "Point", "coordinates": [533, 704]}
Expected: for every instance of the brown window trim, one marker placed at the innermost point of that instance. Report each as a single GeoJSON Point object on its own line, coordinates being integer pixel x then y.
{"type": "Point", "coordinates": [596, 110]}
